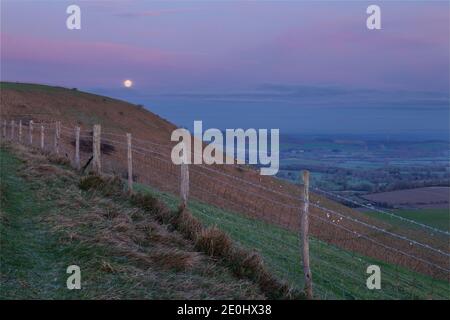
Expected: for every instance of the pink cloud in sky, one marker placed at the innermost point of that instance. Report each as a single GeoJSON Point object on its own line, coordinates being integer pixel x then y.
{"type": "Point", "coordinates": [92, 62]}
{"type": "Point", "coordinates": [79, 52]}
{"type": "Point", "coordinates": [344, 51]}
{"type": "Point", "coordinates": [152, 13]}
{"type": "Point", "coordinates": [239, 45]}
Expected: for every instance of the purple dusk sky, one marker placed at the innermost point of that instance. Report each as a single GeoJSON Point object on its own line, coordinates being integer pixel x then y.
{"type": "Point", "coordinates": [295, 58]}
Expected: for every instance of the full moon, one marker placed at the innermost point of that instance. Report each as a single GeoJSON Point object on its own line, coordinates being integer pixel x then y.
{"type": "Point", "coordinates": [128, 83]}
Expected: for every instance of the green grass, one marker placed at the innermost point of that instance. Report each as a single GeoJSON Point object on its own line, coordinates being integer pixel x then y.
{"type": "Point", "coordinates": [27, 87]}
{"type": "Point", "coordinates": [40, 212]}
{"type": "Point", "coordinates": [435, 218]}
{"type": "Point", "coordinates": [337, 273]}
{"type": "Point", "coordinates": [33, 261]}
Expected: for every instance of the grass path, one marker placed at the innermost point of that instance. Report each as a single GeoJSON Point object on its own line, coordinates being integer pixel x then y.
{"type": "Point", "coordinates": [47, 223]}
{"type": "Point", "coordinates": [31, 262]}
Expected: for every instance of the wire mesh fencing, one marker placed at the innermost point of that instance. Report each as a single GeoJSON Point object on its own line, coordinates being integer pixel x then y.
{"type": "Point", "coordinates": [263, 214]}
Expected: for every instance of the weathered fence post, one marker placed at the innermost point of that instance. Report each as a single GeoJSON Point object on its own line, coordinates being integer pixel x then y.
{"type": "Point", "coordinates": [12, 129]}
{"type": "Point", "coordinates": [96, 149]}
{"type": "Point", "coordinates": [20, 131]}
{"type": "Point", "coordinates": [4, 129]}
{"type": "Point", "coordinates": [77, 148]}
{"type": "Point", "coordinates": [30, 130]}
{"type": "Point", "coordinates": [304, 236]}
{"type": "Point", "coordinates": [184, 181]}
{"type": "Point", "coordinates": [57, 135]}
{"type": "Point", "coordinates": [42, 136]}
{"type": "Point", "coordinates": [130, 164]}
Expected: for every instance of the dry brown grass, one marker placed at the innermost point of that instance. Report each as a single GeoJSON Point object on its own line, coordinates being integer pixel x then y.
{"type": "Point", "coordinates": [217, 244]}
{"type": "Point", "coordinates": [211, 241]}
{"type": "Point", "coordinates": [56, 159]}
{"type": "Point", "coordinates": [214, 242]}
{"type": "Point", "coordinates": [175, 258]}
{"type": "Point", "coordinates": [244, 263]}
{"type": "Point", "coordinates": [47, 103]}
{"type": "Point", "coordinates": [188, 225]}
{"type": "Point", "coordinates": [153, 206]}
{"type": "Point", "coordinates": [107, 185]}
{"type": "Point", "coordinates": [143, 233]}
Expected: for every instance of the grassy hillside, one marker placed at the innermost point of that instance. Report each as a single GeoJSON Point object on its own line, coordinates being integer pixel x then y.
{"type": "Point", "coordinates": [338, 257]}
{"type": "Point", "coordinates": [337, 273]}
{"type": "Point", "coordinates": [41, 102]}
{"type": "Point", "coordinates": [48, 223]}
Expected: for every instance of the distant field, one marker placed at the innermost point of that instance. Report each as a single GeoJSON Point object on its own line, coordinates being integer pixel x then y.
{"type": "Point", "coordinates": [436, 218]}
{"type": "Point", "coordinates": [429, 197]}
{"type": "Point", "coordinates": [364, 164]}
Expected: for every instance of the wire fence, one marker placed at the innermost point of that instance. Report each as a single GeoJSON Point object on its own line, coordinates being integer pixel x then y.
{"type": "Point", "coordinates": [263, 214]}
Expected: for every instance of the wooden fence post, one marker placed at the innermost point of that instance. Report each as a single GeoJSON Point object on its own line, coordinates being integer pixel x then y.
{"type": "Point", "coordinates": [57, 135]}
{"type": "Point", "coordinates": [184, 181]}
{"type": "Point", "coordinates": [130, 164]}
{"type": "Point", "coordinates": [304, 236]}
{"type": "Point", "coordinates": [77, 148]}
{"type": "Point", "coordinates": [42, 136]}
{"type": "Point", "coordinates": [4, 129]}
{"type": "Point", "coordinates": [30, 130]}
{"type": "Point", "coordinates": [96, 150]}
{"type": "Point", "coordinates": [20, 131]}
{"type": "Point", "coordinates": [12, 129]}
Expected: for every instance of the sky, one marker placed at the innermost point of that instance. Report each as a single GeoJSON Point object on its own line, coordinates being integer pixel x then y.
{"type": "Point", "coordinates": [300, 66]}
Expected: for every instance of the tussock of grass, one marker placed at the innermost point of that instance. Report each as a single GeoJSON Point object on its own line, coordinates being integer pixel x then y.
{"type": "Point", "coordinates": [107, 186]}
{"type": "Point", "coordinates": [211, 240]}
{"type": "Point", "coordinates": [188, 225]}
{"type": "Point", "coordinates": [214, 242]}
{"type": "Point", "coordinates": [248, 264]}
{"type": "Point", "coordinates": [147, 202]}
{"type": "Point", "coordinates": [243, 263]}
{"type": "Point", "coordinates": [155, 207]}
{"type": "Point", "coordinates": [57, 159]}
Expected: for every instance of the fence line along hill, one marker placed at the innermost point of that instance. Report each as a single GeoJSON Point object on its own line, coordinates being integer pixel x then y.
{"type": "Point", "coordinates": [233, 188]}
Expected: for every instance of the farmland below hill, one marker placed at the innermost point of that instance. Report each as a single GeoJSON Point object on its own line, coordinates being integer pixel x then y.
{"type": "Point", "coordinates": [428, 197]}
{"type": "Point", "coordinates": [386, 173]}
{"type": "Point", "coordinates": [410, 178]}
{"type": "Point", "coordinates": [366, 165]}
